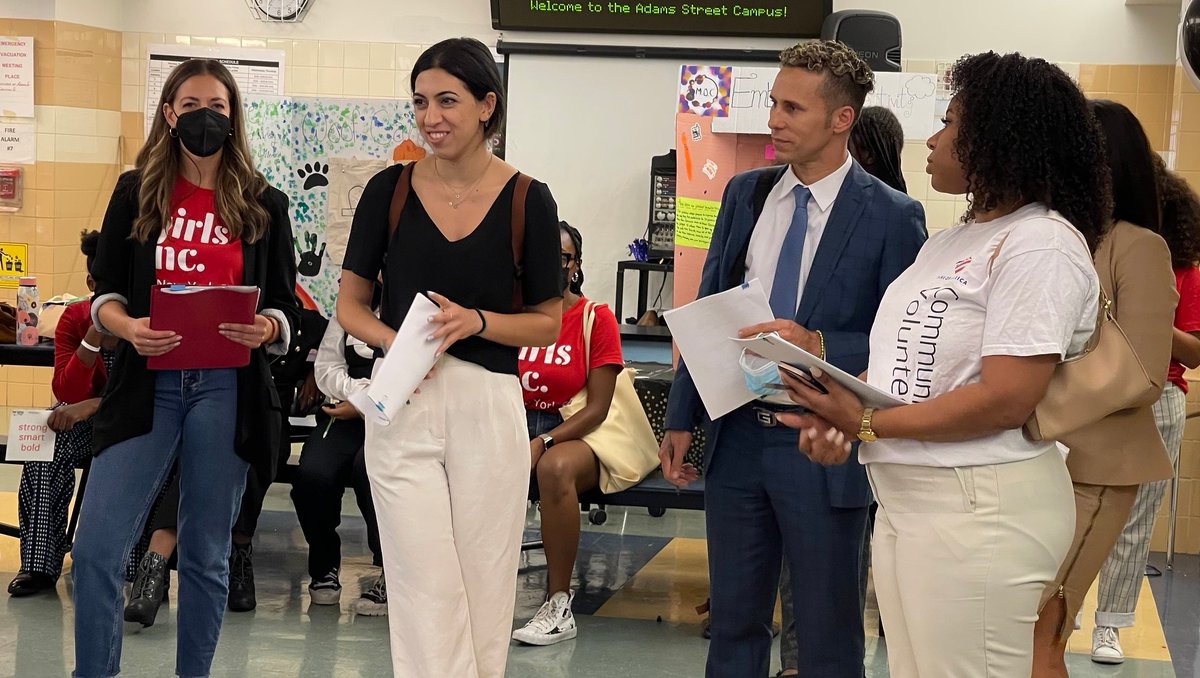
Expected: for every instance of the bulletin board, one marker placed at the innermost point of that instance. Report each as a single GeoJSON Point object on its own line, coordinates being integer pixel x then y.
{"type": "Point", "coordinates": [320, 152]}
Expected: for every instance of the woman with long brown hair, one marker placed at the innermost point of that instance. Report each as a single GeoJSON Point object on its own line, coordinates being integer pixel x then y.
{"type": "Point", "coordinates": [195, 211]}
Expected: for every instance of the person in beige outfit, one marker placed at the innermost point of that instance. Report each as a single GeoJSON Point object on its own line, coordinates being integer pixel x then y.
{"type": "Point", "coordinates": [1108, 460]}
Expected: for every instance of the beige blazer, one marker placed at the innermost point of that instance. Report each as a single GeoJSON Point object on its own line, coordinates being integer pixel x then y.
{"type": "Point", "coordinates": [1125, 448]}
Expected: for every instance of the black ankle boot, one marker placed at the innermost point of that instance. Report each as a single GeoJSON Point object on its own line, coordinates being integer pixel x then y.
{"type": "Point", "coordinates": [241, 579]}
{"type": "Point", "coordinates": [149, 590]}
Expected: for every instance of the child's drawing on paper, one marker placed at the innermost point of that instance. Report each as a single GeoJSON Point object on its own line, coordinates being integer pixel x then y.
{"type": "Point", "coordinates": [299, 142]}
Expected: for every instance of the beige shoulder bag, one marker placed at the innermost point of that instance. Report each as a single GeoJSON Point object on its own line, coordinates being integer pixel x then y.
{"type": "Point", "coordinates": [1106, 377]}
{"type": "Point", "coordinates": [624, 442]}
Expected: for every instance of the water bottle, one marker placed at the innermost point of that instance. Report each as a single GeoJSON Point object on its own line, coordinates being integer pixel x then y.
{"type": "Point", "coordinates": [28, 310]}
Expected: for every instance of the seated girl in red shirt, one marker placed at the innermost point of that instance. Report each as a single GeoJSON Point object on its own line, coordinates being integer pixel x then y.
{"type": "Point", "coordinates": [564, 464]}
{"type": "Point", "coordinates": [82, 360]}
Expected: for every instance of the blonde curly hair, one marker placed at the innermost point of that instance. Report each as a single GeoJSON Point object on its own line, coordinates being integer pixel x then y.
{"type": "Point", "coordinates": [848, 79]}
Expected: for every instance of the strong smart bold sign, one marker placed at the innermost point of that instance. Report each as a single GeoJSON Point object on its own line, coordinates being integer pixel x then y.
{"type": "Point", "coordinates": [750, 18]}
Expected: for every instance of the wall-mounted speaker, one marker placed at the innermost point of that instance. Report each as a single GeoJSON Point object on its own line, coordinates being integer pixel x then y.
{"type": "Point", "coordinates": [874, 35]}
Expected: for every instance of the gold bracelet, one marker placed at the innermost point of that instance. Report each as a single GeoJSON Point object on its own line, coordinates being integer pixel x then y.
{"type": "Point", "coordinates": [821, 336]}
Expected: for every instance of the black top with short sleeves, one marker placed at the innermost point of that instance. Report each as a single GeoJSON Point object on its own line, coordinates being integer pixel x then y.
{"type": "Point", "coordinates": [475, 272]}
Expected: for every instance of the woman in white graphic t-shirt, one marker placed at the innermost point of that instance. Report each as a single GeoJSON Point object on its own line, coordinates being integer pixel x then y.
{"type": "Point", "coordinates": [974, 518]}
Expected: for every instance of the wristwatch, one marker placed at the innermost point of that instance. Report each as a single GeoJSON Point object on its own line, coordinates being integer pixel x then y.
{"type": "Point", "coordinates": [865, 432]}
{"type": "Point", "coordinates": [547, 440]}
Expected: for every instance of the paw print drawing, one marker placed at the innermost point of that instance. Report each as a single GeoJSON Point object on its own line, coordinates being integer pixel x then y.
{"type": "Point", "coordinates": [310, 261]}
{"type": "Point", "coordinates": [314, 174]}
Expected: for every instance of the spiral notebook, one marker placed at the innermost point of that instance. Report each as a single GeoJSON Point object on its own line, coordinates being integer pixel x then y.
{"type": "Point", "coordinates": [194, 312]}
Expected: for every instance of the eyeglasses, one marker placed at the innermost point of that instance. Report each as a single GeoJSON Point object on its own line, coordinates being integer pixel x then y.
{"type": "Point", "coordinates": [567, 258]}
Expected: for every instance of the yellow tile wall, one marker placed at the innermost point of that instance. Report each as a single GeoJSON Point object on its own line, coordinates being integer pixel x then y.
{"type": "Point", "coordinates": [1146, 90]}
{"type": "Point", "coordinates": [77, 97]}
{"type": "Point", "coordinates": [313, 68]}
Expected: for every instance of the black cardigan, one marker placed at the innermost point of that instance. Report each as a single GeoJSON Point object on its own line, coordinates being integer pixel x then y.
{"type": "Point", "coordinates": [125, 267]}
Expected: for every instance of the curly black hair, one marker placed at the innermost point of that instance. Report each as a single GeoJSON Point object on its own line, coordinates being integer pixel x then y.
{"type": "Point", "coordinates": [89, 243]}
{"type": "Point", "coordinates": [1026, 135]}
{"type": "Point", "coordinates": [1180, 215]}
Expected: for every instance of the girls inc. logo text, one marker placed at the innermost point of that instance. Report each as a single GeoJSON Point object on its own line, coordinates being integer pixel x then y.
{"type": "Point", "coordinates": [549, 355]}
{"type": "Point", "coordinates": [184, 231]}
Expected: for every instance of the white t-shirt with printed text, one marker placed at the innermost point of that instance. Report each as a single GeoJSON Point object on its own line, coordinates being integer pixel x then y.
{"type": "Point", "coordinates": [954, 305]}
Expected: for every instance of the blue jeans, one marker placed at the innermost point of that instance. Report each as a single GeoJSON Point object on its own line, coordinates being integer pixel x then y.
{"type": "Point", "coordinates": [539, 422]}
{"type": "Point", "coordinates": [195, 412]}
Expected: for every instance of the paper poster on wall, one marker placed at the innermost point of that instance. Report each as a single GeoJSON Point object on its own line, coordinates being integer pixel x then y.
{"type": "Point", "coordinates": [18, 143]}
{"type": "Point", "coordinates": [347, 179]}
{"type": "Point", "coordinates": [297, 142]}
{"type": "Point", "coordinates": [257, 71]}
{"type": "Point", "coordinates": [16, 76]}
{"type": "Point", "coordinates": [912, 97]}
{"type": "Point", "coordinates": [694, 221]}
{"type": "Point", "coordinates": [749, 101]}
{"type": "Point", "coordinates": [14, 263]}
{"type": "Point", "coordinates": [704, 90]}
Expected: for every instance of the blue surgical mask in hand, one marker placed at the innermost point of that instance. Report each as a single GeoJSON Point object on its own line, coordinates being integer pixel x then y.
{"type": "Point", "coordinates": [761, 375]}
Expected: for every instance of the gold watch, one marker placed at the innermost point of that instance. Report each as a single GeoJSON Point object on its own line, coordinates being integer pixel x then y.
{"type": "Point", "coordinates": [865, 432]}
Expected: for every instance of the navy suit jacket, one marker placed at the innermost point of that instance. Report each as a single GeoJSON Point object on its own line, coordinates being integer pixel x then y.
{"type": "Point", "coordinates": [872, 235]}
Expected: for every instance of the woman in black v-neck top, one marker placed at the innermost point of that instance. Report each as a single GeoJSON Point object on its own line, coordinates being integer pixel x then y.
{"type": "Point", "coordinates": [476, 271]}
{"type": "Point", "coordinates": [450, 473]}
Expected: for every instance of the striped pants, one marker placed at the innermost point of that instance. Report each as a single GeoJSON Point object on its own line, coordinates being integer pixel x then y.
{"type": "Point", "coordinates": [1121, 576]}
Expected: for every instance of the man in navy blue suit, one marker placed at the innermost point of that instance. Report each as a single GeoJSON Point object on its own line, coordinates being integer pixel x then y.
{"type": "Point", "coordinates": [826, 239]}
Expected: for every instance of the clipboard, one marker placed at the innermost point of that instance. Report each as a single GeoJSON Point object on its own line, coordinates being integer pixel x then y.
{"type": "Point", "coordinates": [195, 312]}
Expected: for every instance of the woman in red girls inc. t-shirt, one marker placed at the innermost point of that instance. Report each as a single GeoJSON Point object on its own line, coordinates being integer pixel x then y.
{"type": "Point", "coordinates": [196, 247]}
{"type": "Point", "coordinates": [195, 210]}
{"type": "Point", "coordinates": [563, 463]}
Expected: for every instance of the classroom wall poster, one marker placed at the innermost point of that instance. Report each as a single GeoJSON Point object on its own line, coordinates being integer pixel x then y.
{"type": "Point", "coordinates": [256, 70]}
{"type": "Point", "coordinates": [911, 96]}
{"type": "Point", "coordinates": [16, 76]}
{"type": "Point", "coordinates": [298, 142]}
{"type": "Point", "coordinates": [704, 90]}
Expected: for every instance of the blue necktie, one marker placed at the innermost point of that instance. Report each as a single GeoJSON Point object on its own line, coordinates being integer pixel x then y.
{"type": "Point", "coordinates": [787, 270]}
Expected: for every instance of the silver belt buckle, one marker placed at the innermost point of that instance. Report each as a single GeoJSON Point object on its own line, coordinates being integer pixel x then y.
{"type": "Point", "coordinates": [765, 418]}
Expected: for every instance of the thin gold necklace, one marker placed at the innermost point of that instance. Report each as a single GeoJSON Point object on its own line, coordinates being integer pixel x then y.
{"type": "Point", "coordinates": [460, 196]}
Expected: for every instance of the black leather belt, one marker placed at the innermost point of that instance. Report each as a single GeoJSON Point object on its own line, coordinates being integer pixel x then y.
{"type": "Point", "coordinates": [765, 414]}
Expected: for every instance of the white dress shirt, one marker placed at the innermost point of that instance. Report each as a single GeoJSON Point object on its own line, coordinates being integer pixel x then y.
{"type": "Point", "coordinates": [331, 372]}
{"type": "Point", "coordinates": [772, 225]}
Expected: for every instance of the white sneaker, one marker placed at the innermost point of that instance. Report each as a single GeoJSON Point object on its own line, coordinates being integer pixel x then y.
{"type": "Point", "coordinates": [326, 590]}
{"type": "Point", "coordinates": [1106, 646]}
{"type": "Point", "coordinates": [552, 624]}
{"type": "Point", "coordinates": [373, 601]}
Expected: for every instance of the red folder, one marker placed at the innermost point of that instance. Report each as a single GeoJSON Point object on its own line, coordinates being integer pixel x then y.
{"type": "Point", "coordinates": [194, 313]}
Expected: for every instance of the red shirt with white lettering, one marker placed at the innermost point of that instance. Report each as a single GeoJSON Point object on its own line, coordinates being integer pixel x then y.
{"type": "Point", "coordinates": [196, 248]}
{"type": "Point", "coordinates": [552, 375]}
{"type": "Point", "coordinates": [1187, 316]}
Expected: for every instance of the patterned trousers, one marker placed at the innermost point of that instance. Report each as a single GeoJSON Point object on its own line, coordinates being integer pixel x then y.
{"type": "Point", "coordinates": [1121, 576]}
{"type": "Point", "coordinates": [43, 497]}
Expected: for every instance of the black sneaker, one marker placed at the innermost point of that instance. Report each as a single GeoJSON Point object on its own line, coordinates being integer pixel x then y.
{"type": "Point", "coordinates": [373, 601]}
{"type": "Point", "coordinates": [326, 590]}
{"type": "Point", "coordinates": [148, 591]}
{"type": "Point", "coordinates": [241, 579]}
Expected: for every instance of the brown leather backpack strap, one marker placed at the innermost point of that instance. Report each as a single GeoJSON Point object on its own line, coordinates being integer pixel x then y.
{"type": "Point", "coordinates": [520, 192]}
{"type": "Point", "coordinates": [399, 197]}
